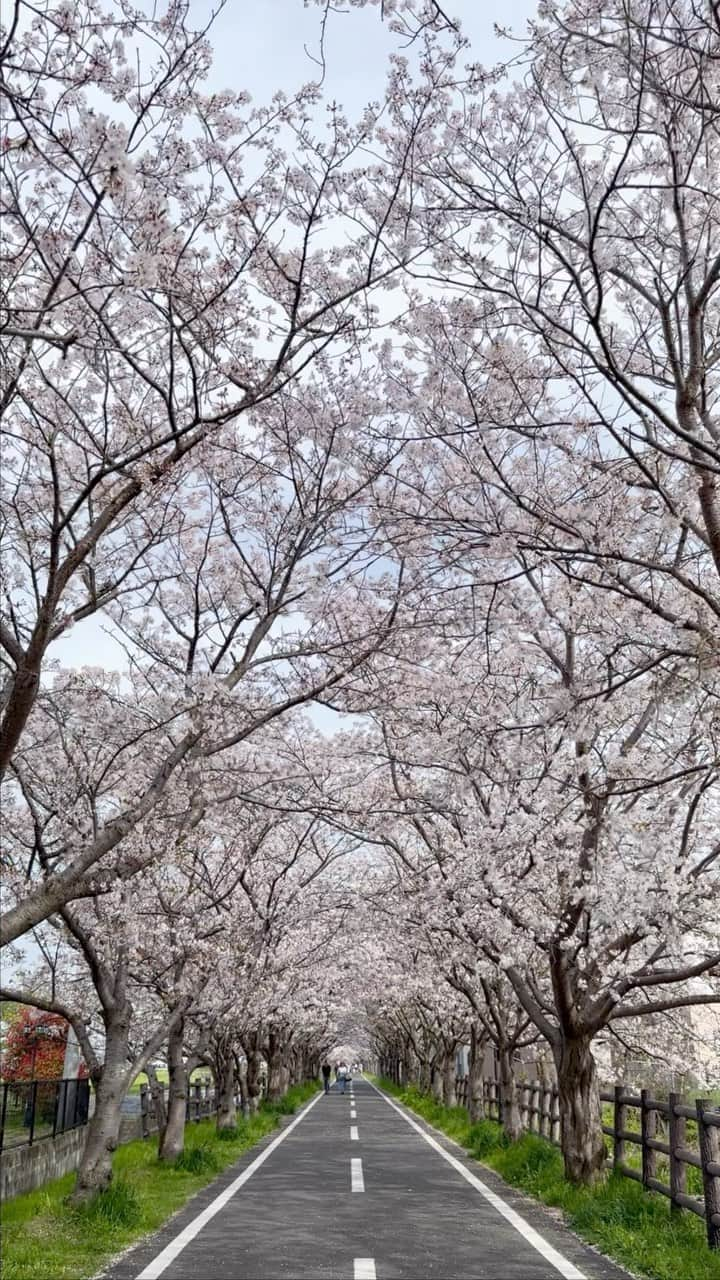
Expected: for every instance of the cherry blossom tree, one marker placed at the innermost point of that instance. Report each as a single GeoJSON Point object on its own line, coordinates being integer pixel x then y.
{"type": "Point", "coordinates": [181, 262]}
{"type": "Point", "coordinates": [564, 832]}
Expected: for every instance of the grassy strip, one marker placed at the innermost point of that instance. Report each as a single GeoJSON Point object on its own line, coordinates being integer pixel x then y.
{"type": "Point", "coordinates": [628, 1224]}
{"type": "Point", "coordinates": [45, 1239]}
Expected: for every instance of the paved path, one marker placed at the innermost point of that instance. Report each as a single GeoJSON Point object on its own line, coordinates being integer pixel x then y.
{"type": "Point", "coordinates": [351, 1190]}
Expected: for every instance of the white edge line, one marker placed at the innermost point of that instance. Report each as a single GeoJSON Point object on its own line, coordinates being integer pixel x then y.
{"type": "Point", "coordinates": [533, 1237]}
{"type": "Point", "coordinates": [176, 1246]}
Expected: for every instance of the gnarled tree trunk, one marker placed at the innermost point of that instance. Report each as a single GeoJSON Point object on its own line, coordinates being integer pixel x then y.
{"type": "Point", "coordinates": [436, 1080]}
{"type": "Point", "coordinates": [448, 1079]}
{"type": "Point", "coordinates": [172, 1138]}
{"type": "Point", "coordinates": [509, 1108]}
{"type": "Point", "coordinates": [225, 1082]}
{"type": "Point", "coordinates": [254, 1078]}
{"type": "Point", "coordinates": [242, 1082]}
{"type": "Point", "coordinates": [276, 1069]}
{"type": "Point", "coordinates": [95, 1169]}
{"type": "Point", "coordinates": [581, 1135]}
{"type": "Point", "coordinates": [475, 1099]}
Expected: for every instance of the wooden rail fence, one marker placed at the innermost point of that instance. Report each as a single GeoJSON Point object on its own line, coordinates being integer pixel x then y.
{"type": "Point", "coordinates": [662, 1132]}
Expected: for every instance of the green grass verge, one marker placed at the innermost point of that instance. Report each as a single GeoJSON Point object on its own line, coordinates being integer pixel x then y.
{"type": "Point", "coordinates": [44, 1239]}
{"type": "Point", "coordinates": [628, 1224]}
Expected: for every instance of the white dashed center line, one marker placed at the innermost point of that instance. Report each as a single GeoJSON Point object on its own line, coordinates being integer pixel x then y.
{"type": "Point", "coordinates": [353, 1113]}
{"type": "Point", "coordinates": [364, 1269]}
{"type": "Point", "coordinates": [353, 1133]}
{"type": "Point", "coordinates": [357, 1182]}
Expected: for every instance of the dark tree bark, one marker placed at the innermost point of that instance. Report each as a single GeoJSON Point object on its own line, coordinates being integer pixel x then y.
{"type": "Point", "coordinates": [172, 1138]}
{"type": "Point", "coordinates": [581, 1135]}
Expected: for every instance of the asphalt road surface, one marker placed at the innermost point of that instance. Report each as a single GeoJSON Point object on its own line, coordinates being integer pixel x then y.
{"type": "Point", "coordinates": [355, 1188]}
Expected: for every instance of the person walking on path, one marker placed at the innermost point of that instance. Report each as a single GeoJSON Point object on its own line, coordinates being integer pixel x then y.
{"type": "Point", "coordinates": [343, 1076]}
{"type": "Point", "coordinates": [326, 1069]}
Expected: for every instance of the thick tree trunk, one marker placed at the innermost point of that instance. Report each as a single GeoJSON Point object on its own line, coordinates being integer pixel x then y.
{"type": "Point", "coordinates": [225, 1076]}
{"type": "Point", "coordinates": [254, 1079]}
{"type": "Point", "coordinates": [242, 1081]}
{"type": "Point", "coordinates": [509, 1108]}
{"type": "Point", "coordinates": [475, 1100]}
{"type": "Point", "coordinates": [276, 1069]}
{"type": "Point", "coordinates": [95, 1169]}
{"type": "Point", "coordinates": [436, 1081]}
{"type": "Point", "coordinates": [172, 1138]}
{"type": "Point", "coordinates": [448, 1080]}
{"type": "Point", "coordinates": [581, 1135]}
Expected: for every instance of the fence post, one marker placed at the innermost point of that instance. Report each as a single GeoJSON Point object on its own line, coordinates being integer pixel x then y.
{"type": "Point", "coordinates": [648, 1129]}
{"type": "Point", "coordinates": [709, 1143]}
{"type": "Point", "coordinates": [81, 1114]}
{"type": "Point", "coordinates": [535, 1107]}
{"type": "Point", "coordinates": [144, 1125]}
{"type": "Point", "coordinates": [619, 1117]}
{"type": "Point", "coordinates": [33, 1109]}
{"type": "Point", "coordinates": [676, 1141]}
{"type": "Point", "coordinates": [198, 1100]}
{"type": "Point", "coordinates": [525, 1107]}
{"type": "Point", "coordinates": [545, 1106]}
{"type": "Point", "coordinates": [58, 1104]}
{"type": "Point", "coordinates": [2, 1117]}
{"type": "Point", "coordinates": [555, 1121]}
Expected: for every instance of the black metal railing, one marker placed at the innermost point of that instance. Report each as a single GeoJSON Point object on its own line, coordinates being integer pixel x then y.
{"type": "Point", "coordinates": [34, 1109]}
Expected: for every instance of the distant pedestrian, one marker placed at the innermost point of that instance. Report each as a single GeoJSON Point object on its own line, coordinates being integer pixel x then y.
{"type": "Point", "coordinates": [326, 1069]}
{"type": "Point", "coordinates": [343, 1075]}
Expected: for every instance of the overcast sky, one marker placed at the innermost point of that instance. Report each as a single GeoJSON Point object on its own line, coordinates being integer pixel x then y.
{"type": "Point", "coordinates": [260, 46]}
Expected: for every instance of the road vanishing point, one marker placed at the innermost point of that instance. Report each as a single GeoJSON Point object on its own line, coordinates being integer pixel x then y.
{"type": "Point", "coordinates": [355, 1188]}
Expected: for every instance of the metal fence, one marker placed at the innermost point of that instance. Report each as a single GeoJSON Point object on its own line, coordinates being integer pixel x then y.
{"type": "Point", "coordinates": [35, 1109]}
{"type": "Point", "coordinates": [669, 1138]}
